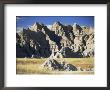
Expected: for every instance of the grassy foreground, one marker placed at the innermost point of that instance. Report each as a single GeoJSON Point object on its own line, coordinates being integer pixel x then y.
{"type": "Point", "coordinates": [33, 66]}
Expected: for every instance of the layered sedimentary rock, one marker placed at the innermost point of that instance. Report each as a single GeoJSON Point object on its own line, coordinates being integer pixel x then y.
{"type": "Point", "coordinates": [71, 41]}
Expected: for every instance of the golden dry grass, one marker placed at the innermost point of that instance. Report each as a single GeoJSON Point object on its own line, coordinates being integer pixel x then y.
{"type": "Point", "coordinates": [33, 66]}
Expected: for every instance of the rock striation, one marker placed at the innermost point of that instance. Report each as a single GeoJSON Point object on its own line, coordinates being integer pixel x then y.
{"type": "Point", "coordinates": [71, 41]}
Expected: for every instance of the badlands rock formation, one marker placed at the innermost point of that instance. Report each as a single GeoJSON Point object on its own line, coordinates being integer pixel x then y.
{"type": "Point", "coordinates": [52, 64]}
{"type": "Point", "coordinates": [69, 41]}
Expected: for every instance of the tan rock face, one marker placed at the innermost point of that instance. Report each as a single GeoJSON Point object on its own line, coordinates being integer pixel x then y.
{"type": "Point", "coordinates": [36, 27]}
{"type": "Point", "coordinates": [56, 26]}
{"type": "Point", "coordinates": [90, 46]}
{"type": "Point", "coordinates": [78, 44]}
{"type": "Point", "coordinates": [77, 30]}
{"type": "Point", "coordinates": [72, 40]}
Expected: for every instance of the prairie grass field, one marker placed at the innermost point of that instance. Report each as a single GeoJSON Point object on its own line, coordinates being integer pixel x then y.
{"type": "Point", "coordinates": [33, 66]}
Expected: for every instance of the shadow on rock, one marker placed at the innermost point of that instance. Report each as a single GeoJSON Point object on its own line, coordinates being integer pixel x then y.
{"type": "Point", "coordinates": [52, 64]}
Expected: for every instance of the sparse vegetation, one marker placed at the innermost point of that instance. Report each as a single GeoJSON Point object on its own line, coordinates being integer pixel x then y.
{"type": "Point", "coordinates": [33, 66]}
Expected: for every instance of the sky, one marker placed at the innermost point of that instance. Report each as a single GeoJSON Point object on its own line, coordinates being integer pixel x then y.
{"type": "Point", "coordinates": [27, 21]}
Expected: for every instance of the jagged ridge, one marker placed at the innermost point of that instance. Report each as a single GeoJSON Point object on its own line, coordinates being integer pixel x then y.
{"type": "Point", "coordinates": [70, 41]}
